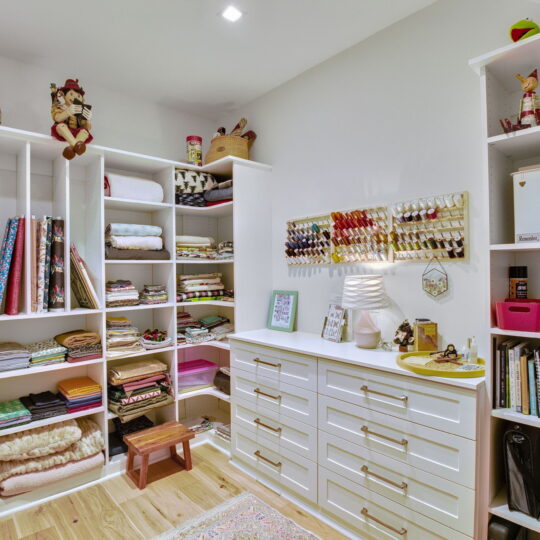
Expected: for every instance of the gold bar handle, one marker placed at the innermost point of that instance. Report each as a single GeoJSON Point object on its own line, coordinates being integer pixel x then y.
{"type": "Point", "coordinates": [368, 390]}
{"type": "Point", "coordinates": [259, 423]}
{"type": "Point", "coordinates": [260, 456]}
{"type": "Point", "coordinates": [367, 431]}
{"type": "Point", "coordinates": [366, 471]}
{"type": "Point", "coordinates": [259, 361]}
{"type": "Point", "coordinates": [260, 392]}
{"type": "Point", "coordinates": [365, 513]}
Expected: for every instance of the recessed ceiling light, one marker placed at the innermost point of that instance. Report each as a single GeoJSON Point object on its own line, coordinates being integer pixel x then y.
{"type": "Point", "coordinates": [231, 13]}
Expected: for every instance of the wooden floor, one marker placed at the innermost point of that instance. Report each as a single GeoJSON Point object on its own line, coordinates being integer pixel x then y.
{"type": "Point", "coordinates": [116, 509]}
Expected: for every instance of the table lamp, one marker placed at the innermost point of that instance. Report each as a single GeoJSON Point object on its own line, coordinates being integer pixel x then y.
{"type": "Point", "coordinates": [364, 293]}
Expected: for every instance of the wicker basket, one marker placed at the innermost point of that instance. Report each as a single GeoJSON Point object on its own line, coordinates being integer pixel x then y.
{"type": "Point", "coordinates": [227, 145]}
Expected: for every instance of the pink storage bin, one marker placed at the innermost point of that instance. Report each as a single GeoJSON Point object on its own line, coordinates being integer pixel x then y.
{"type": "Point", "coordinates": [196, 374]}
{"type": "Point", "coordinates": [523, 315]}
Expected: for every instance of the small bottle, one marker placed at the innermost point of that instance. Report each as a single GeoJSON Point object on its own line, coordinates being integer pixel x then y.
{"type": "Point", "coordinates": [473, 351]}
{"type": "Point", "coordinates": [517, 282]}
{"type": "Point", "coordinates": [466, 351]}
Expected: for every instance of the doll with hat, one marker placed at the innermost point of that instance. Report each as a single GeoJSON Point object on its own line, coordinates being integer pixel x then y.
{"type": "Point", "coordinates": [529, 106]}
{"type": "Point", "coordinates": [71, 116]}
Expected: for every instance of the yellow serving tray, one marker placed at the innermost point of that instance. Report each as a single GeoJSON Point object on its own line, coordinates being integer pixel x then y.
{"type": "Point", "coordinates": [421, 370]}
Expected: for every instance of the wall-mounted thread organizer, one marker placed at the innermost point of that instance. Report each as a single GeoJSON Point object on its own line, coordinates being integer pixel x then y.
{"type": "Point", "coordinates": [360, 235]}
{"type": "Point", "coordinates": [308, 240]}
{"type": "Point", "coordinates": [415, 230]}
{"type": "Point", "coordinates": [430, 227]}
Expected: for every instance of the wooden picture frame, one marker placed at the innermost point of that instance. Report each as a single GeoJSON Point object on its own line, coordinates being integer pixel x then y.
{"type": "Point", "coordinates": [282, 311]}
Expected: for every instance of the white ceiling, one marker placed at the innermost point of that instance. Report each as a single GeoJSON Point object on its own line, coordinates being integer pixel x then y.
{"type": "Point", "coordinates": [182, 53]}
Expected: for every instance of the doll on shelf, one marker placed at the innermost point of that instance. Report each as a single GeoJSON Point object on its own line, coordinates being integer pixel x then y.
{"type": "Point", "coordinates": [71, 116]}
{"type": "Point", "coordinates": [529, 106]}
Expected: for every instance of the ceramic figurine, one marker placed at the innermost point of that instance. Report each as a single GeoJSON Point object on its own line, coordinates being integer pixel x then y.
{"type": "Point", "coordinates": [71, 116]}
{"type": "Point", "coordinates": [529, 106]}
{"type": "Point", "coordinates": [404, 336]}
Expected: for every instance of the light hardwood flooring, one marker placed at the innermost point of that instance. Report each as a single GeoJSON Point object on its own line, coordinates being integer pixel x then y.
{"type": "Point", "coordinates": [116, 509]}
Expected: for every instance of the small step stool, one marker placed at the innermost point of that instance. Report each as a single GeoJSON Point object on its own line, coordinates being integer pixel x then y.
{"type": "Point", "coordinates": [144, 442]}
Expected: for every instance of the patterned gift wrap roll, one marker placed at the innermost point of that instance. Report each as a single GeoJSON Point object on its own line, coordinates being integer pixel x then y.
{"type": "Point", "coordinates": [47, 271]}
{"type": "Point", "coordinates": [56, 278]}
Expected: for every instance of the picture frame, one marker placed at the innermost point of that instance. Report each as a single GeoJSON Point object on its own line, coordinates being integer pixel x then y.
{"type": "Point", "coordinates": [282, 311]}
{"type": "Point", "coordinates": [334, 323]}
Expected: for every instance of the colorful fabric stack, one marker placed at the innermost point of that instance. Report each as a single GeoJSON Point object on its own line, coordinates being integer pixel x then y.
{"type": "Point", "coordinates": [13, 356]}
{"type": "Point", "coordinates": [80, 393]}
{"type": "Point", "coordinates": [122, 338]}
{"type": "Point", "coordinates": [225, 250]}
{"type": "Point", "coordinates": [13, 413]}
{"type": "Point", "coordinates": [223, 431]}
{"type": "Point", "coordinates": [134, 241]}
{"type": "Point", "coordinates": [155, 339]}
{"type": "Point", "coordinates": [138, 387]}
{"type": "Point", "coordinates": [81, 345]}
{"type": "Point", "coordinates": [11, 264]}
{"type": "Point", "coordinates": [47, 352]}
{"type": "Point", "coordinates": [195, 247]}
{"type": "Point", "coordinates": [191, 199]}
{"type": "Point", "coordinates": [199, 287]}
{"type": "Point", "coordinates": [121, 293]}
{"type": "Point", "coordinates": [219, 326]}
{"type": "Point", "coordinates": [44, 405]}
{"type": "Point", "coordinates": [191, 186]}
{"type": "Point", "coordinates": [185, 321]}
{"type": "Point", "coordinates": [154, 294]}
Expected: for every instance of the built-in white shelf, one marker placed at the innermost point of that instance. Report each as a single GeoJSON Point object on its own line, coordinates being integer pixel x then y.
{"type": "Point", "coordinates": [47, 369]}
{"type": "Point", "coordinates": [218, 210]}
{"type": "Point", "coordinates": [499, 507]}
{"type": "Point", "coordinates": [50, 314]}
{"type": "Point", "coordinates": [139, 307]}
{"type": "Point", "coordinates": [217, 344]}
{"type": "Point", "coordinates": [53, 420]}
{"type": "Point", "coordinates": [519, 144]}
{"type": "Point", "coordinates": [515, 333]}
{"type": "Point", "coordinates": [532, 246]}
{"type": "Point", "coordinates": [217, 303]}
{"type": "Point", "coordinates": [210, 391]}
{"type": "Point", "coordinates": [513, 416]}
{"type": "Point", "coordinates": [146, 352]}
{"type": "Point", "coordinates": [204, 261]}
{"type": "Point", "coordinates": [115, 203]}
{"type": "Point", "coordinates": [144, 261]}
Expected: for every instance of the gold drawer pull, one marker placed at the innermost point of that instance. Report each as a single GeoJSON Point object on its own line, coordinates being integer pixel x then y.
{"type": "Point", "coordinates": [367, 431]}
{"type": "Point", "coordinates": [260, 456]}
{"type": "Point", "coordinates": [259, 361]}
{"type": "Point", "coordinates": [365, 513]}
{"type": "Point", "coordinates": [366, 389]}
{"type": "Point", "coordinates": [365, 470]}
{"type": "Point", "coordinates": [259, 423]}
{"type": "Point", "coordinates": [260, 392]}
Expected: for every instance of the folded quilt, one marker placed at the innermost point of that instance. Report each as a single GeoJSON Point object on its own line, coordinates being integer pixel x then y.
{"type": "Point", "coordinates": [130, 187]}
{"type": "Point", "coordinates": [195, 240]}
{"type": "Point", "coordinates": [44, 399]}
{"type": "Point", "coordinates": [136, 242]}
{"type": "Point", "coordinates": [30, 481]}
{"type": "Point", "coordinates": [87, 407]}
{"type": "Point", "coordinates": [10, 349]}
{"type": "Point", "coordinates": [112, 253]}
{"type": "Point", "coordinates": [78, 338]}
{"type": "Point", "coordinates": [136, 370]}
{"type": "Point", "coordinates": [198, 277]}
{"type": "Point", "coordinates": [190, 199]}
{"type": "Point", "coordinates": [40, 441]}
{"type": "Point", "coordinates": [202, 295]}
{"type": "Point", "coordinates": [133, 410]}
{"type": "Point", "coordinates": [138, 424]}
{"type": "Point", "coordinates": [46, 348]}
{"type": "Point", "coordinates": [132, 229]}
{"type": "Point", "coordinates": [14, 364]}
{"type": "Point", "coordinates": [78, 386]}
{"type": "Point", "coordinates": [12, 409]}
{"type": "Point", "coordinates": [74, 360]}
{"type": "Point", "coordinates": [85, 350]}
{"type": "Point", "coordinates": [219, 194]}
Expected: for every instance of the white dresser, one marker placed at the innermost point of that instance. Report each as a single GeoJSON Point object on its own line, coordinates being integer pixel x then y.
{"type": "Point", "coordinates": [379, 451]}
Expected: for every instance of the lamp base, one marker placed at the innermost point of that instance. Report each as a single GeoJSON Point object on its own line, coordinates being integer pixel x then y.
{"type": "Point", "coordinates": [366, 334]}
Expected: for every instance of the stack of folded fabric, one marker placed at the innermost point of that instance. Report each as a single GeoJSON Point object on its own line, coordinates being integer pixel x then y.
{"type": "Point", "coordinates": [225, 250]}
{"type": "Point", "coordinates": [219, 326]}
{"type": "Point", "coordinates": [133, 241]}
{"type": "Point", "coordinates": [13, 356]}
{"type": "Point", "coordinates": [191, 199]}
{"type": "Point", "coordinates": [44, 405]}
{"type": "Point", "coordinates": [222, 193]}
{"type": "Point", "coordinates": [80, 394]}
{"type": "Point", "coordinates": [223, 431]}
{"type": "Point", "coordinates": [155, 339]}
{"type": "Point", "coordinates": [35, 458]}
{"type": "Point", "coordinates": [190, 187]}
{"type": "Point", "coordinates": [116, 438]}
{"type": "Point", "coordinates": [121, 293]}
{"type": "Point", "coordinates": [81, 345]}
{"type": "Point", "coordinates": [13, 413]}
{"type": "Point", "coordinates": [154, 294]}
{"type": "Point", "coordinates": [122, 338]}
{"type": "Point", "coordinates": [47, 352]}
{"type": "Point", "coordinates": [201, 287]}
{"type": "Point", "coordinates": [138, 387]}
{"type": "Point", "coordinates": [195, 247]}
{"type": "Point", "coordinates": [184, 321]}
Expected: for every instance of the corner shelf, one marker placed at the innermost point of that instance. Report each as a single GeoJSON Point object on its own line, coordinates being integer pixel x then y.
{"type": "Point", "coordinates": [210, 391]}
{"type": "Point", "coordinates": [519, 144]}
{"type": "Point", "coordinates": [115, 203]}
{"type": "Point", "coordinates": [141, 353]}
{"type": "Point", "coordinates": [139, 307]}
{"type": "Point", "coordinates": [217, 344]}
{"type": "Point", "coordinates": [219, 303]}
{"type": "Point", "coordinates": [218, 210]}
{"type": "Point", "coordinates": [499, 507]}
{"type": "Point", "coordinates": [204, 261]}
{"type": "Point", "coordinates": [132, 261]}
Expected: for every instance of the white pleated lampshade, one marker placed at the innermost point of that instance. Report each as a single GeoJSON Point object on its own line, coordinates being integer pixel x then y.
{"type": "Point", "coordinates": [364, 292]}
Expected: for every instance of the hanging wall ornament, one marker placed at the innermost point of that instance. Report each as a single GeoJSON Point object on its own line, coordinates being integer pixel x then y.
{"type": "Point", "coordinates": [435, 278]}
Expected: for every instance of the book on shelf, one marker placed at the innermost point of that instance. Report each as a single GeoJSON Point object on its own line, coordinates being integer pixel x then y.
{"type": "Point", "coordinates": [80, 281]}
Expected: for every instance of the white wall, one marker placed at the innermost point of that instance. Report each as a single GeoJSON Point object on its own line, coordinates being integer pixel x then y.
{"type": "Point", "coordinates": [119, 121]}
{"type": "Point", "coordinates": [394, 117]}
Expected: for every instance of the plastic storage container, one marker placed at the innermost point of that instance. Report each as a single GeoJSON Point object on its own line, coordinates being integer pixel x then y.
{"type": "Point", "coordinates": [196, 374]}
{"type": "Point", "coordinates": [519, 315]}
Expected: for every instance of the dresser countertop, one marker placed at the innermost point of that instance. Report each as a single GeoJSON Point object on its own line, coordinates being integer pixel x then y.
{"type": "Point", "coordinates": [348, 352]}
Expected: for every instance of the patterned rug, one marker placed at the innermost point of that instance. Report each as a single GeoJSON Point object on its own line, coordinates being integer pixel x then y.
{"type": "Point", "coordinates": [244, 517]}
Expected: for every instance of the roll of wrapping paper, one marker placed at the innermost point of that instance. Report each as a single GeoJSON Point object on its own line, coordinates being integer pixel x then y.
{"type": "Point", "coordinates": [41, 247]}
{"type": "Point", "coordinates": [47, 271]}
{"type": "Point", "coordinates": [56, 278]}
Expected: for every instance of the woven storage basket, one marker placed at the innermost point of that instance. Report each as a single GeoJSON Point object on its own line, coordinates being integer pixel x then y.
{"type": "Point", "coordinates": [227, 145]}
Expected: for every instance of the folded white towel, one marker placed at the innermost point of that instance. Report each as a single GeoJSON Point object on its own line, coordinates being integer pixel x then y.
{"type": "Point", "coordinates": [129, 187]}
{"type": "Point", "coordinates": [195, 240]}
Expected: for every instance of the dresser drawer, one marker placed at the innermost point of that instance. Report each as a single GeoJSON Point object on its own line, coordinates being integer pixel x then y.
{"type": "Point", "coordinates": [296, 369]}
{"type": "Point", "coordinates": [439, 499]}
{"type": "Point", "coordinates": [278, 430]}
{"type": "Point", "coordinates": [271, 397]}
{"type": "Point", "coordinates": [434, 405]}
{"type": "Point", "coordinates": [376, 517]}
{"type": "Point", "coordinates": [292, 471]}
{"type": "Point", "coordinates": [436, 452]}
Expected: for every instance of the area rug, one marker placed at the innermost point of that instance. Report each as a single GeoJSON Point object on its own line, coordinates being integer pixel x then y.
{"type": "Point", "coordinates": [244, 517]}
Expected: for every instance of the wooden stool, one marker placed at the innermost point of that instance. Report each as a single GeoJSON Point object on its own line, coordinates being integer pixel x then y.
{"type": "Point", "coordinates": [144, 442]}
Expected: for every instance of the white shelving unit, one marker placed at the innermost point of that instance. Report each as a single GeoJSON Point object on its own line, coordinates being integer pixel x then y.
{"type": "Point", "coordinates": [504, 154]}
{"type": "Point", "coordinates": [36, 180]}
